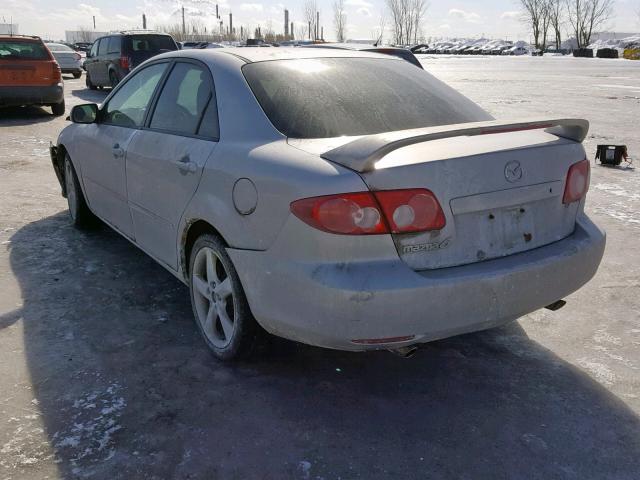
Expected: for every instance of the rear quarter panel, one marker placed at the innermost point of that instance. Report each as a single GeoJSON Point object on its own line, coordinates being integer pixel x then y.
{"type": "Point", "coordinates": [251, 148]}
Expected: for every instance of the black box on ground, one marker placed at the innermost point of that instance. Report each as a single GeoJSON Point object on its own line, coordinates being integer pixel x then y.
{"type": "Point", "coordinates": [611, 154]}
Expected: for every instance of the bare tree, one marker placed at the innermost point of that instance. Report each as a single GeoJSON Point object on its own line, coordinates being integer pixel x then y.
{"type": "Point", "coordinates": [85, 34]}
{"type": "Point", "coordinates": [406, 18]}
{"type": "Point", "coordinates": [587, 16]}
{"type": "Point", "coordinates": [339, 19]}
{"type": "Point", "coordinates": [536, 14]}
{"type": "Point", "coordinates": [310, 12]}
{"type": "Point", "coordinates": [378, 33]}
{"type": "Point", "coordinates": [556, 19]}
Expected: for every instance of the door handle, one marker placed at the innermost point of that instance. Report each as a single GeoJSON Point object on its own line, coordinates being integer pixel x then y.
{"type": "Point", "coordinates": [186, 165]}
{"type": "Point", "coordinates": [118, 151]}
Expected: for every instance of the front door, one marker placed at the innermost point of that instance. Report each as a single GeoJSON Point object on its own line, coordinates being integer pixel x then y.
{"type": "Point", "coordinates": [165, 160]}
{"type": "Point", "coordinates": [104, 148]}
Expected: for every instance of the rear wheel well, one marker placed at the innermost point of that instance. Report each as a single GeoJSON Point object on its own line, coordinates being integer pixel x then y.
{"type": "Point", "coordinates": [192, 232]}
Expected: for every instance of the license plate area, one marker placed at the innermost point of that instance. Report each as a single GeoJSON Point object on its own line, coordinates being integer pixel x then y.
{"type": "Point", "coordinates": [517, 226]}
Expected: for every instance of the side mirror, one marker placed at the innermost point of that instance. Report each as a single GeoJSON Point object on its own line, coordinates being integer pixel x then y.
{"type": "Point", "coordinates": [87, 113]}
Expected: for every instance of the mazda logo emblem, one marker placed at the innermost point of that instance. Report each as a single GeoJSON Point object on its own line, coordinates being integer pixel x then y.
{"type": "Point", "coordinates": [513, 171]}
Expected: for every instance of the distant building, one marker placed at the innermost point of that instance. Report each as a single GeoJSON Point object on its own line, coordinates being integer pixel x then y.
{"type": "Point", "coordinates": [9, 29]}
{"type": "Point", "coordinates": [75, 36]}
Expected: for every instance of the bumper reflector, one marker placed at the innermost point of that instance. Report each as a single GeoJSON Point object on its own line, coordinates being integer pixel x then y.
{"type": "Point", "coordinates": [382, 341]}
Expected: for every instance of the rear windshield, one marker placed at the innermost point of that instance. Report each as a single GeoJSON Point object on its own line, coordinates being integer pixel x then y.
{"type": "Point", "coordinates": [58, 47]}
{"type": "Point", "coordinates": [22, 50]}
{"type": "Point", "coordinates": [151, 43]}
{"type": "Point", "coordinates": [332, 97]}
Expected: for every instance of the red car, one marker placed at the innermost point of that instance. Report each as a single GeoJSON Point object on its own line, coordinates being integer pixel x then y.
{"type": "Point", "coordinates": [29, 75]}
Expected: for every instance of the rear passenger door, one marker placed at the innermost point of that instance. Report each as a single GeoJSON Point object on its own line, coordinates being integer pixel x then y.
{"type": "Point", "coordinates": [165, 160]}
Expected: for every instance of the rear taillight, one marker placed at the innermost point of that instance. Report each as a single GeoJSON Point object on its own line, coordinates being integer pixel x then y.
{"type": "Point", "coordinates": [410, 211]}
{"type": "Point", "coordinates": [577, 182]}
{"type": "Point", "coordinates": [125, 63]}
{"type": "Point", "coordinates": [372, 213]}
{"type": "Point", "coordinates": [56, 75]}
{"type": "Point", "coordinates": [346, 214]}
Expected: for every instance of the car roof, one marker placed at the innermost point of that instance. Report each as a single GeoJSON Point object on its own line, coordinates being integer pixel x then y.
{"type": "Point", "coordinates": [354, 46]}
{"type": "Point", "coordinates": [258, 54]}
{"type": "Point", "coordinates": [20, 37]}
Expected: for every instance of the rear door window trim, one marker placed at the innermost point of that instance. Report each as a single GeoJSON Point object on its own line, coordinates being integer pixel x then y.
{"type": "Point", "coordinates": [212, 98]}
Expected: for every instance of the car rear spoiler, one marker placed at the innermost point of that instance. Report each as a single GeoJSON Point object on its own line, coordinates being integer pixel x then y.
{"type": "Point", "coordinates": [362, 154]}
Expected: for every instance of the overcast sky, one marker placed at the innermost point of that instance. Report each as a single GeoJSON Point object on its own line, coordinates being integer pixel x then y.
{"type": "Point", "coordinates": [445, 18]}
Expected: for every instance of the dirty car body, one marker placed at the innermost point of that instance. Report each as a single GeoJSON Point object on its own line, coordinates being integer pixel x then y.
{"type": "Point", "coordinates": [363, 203]}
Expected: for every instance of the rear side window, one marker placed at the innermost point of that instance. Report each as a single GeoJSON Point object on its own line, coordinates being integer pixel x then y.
{"type": "Point", "coordinates": [22, 50]}
{"type": "Point", "coordinates": [151, 43]}
{"type": "Point", "coordinates": [332, 97]}
{"type": "Point", "coordinates": [128, 106]}
{"type": "Point", "coordinates": [183, 101]}
{"type": "Point", "coordinates": [114, 45]}
{"type": "Point", "coordinates": [104, 46]}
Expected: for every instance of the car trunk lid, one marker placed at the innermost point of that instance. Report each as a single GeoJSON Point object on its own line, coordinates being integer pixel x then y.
{"type": "Point", "coordinates": [501, 190]}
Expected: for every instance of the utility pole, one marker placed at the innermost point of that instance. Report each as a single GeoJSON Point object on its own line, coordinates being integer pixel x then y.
{"type": "Point", "coordinates": [286, 23]}
{"type": "Point", "coordinates": [144, 21]}
{"type": "Point", "coordinates": [183, 27]}
{"type": "Point", "coordinates": [317, 24]}
{"type": "Point", "coordinates": [230, 23]}
{"type": "Point", "coordinates": [94, 22]}
{"type": "Point", "coordinates": [292, 34]}
{"type": "Point", "coordinates": [309, 30]}
{"type": "Point", "coordinates": [217, 13]}
{"type": "Point", "coordinates": [321, 33]}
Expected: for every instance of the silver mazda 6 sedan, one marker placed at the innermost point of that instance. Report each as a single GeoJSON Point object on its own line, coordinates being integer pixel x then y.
{"type": "Point", "coordinates": [338, 198]}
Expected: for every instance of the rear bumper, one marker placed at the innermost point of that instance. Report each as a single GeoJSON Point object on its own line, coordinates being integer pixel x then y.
{"type": "Point", "coordinates": [330, 304]}
{"type": "Point", "coordinates": [77, 69]}
{"type": "Point", "coordinates": [45, 95]}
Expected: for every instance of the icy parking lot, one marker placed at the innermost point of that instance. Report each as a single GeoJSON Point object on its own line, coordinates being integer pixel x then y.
{"type": "Point", "coordinates": [103, 374]}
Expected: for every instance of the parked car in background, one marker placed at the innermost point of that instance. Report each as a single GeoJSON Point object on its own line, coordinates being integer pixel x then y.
{"type": "Point", "coordinates": [29, 74]}
{"type": "Point", "coordinates": [69, 60]}
{"type": "Point", "coordinates": [82, 46]}
{"type": "Point", "coordinates": [339, 198]}
{"type": "Point", "coordinates": [113, 56]}
{"type": "Point", "coordinates": [516, 51]}
{"type": "Point", "coordinates": [399, 52]}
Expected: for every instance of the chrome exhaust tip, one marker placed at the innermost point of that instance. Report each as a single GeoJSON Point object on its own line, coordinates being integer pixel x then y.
{"type": "Point", "coordinates": [555, 306]}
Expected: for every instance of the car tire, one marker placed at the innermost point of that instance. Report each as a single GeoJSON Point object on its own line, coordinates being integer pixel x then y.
{"type": "Point", "coordinates": [113, 79]}
{"type": "Point", "coordinates": [77, 74]}
{"type": "Point", "coordinates": [89, 83]}
{"type": "Point", "coordinates": [219, 304]}
{"type": "Point", "coordinates": [58, 108]}
{"type": "Point", "coordinates": [81, 216]}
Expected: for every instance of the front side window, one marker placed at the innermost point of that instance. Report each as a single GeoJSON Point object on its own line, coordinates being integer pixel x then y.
{"type": "Point", "coordinates": [94, 48]}
{"type": "Point", "coordinates": [183, 101]}
{"type": "Point", "coordinates": [128, 106]}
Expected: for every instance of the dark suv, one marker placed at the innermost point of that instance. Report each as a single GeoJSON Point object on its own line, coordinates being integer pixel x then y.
{"type": "Point", "coordinates": [113, 56]}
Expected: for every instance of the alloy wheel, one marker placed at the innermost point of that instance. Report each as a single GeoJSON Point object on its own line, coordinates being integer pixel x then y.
{"type": "Point", "coordinates": [213, 297]}
{"type": "Point", "coordinates": [72, 196]}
